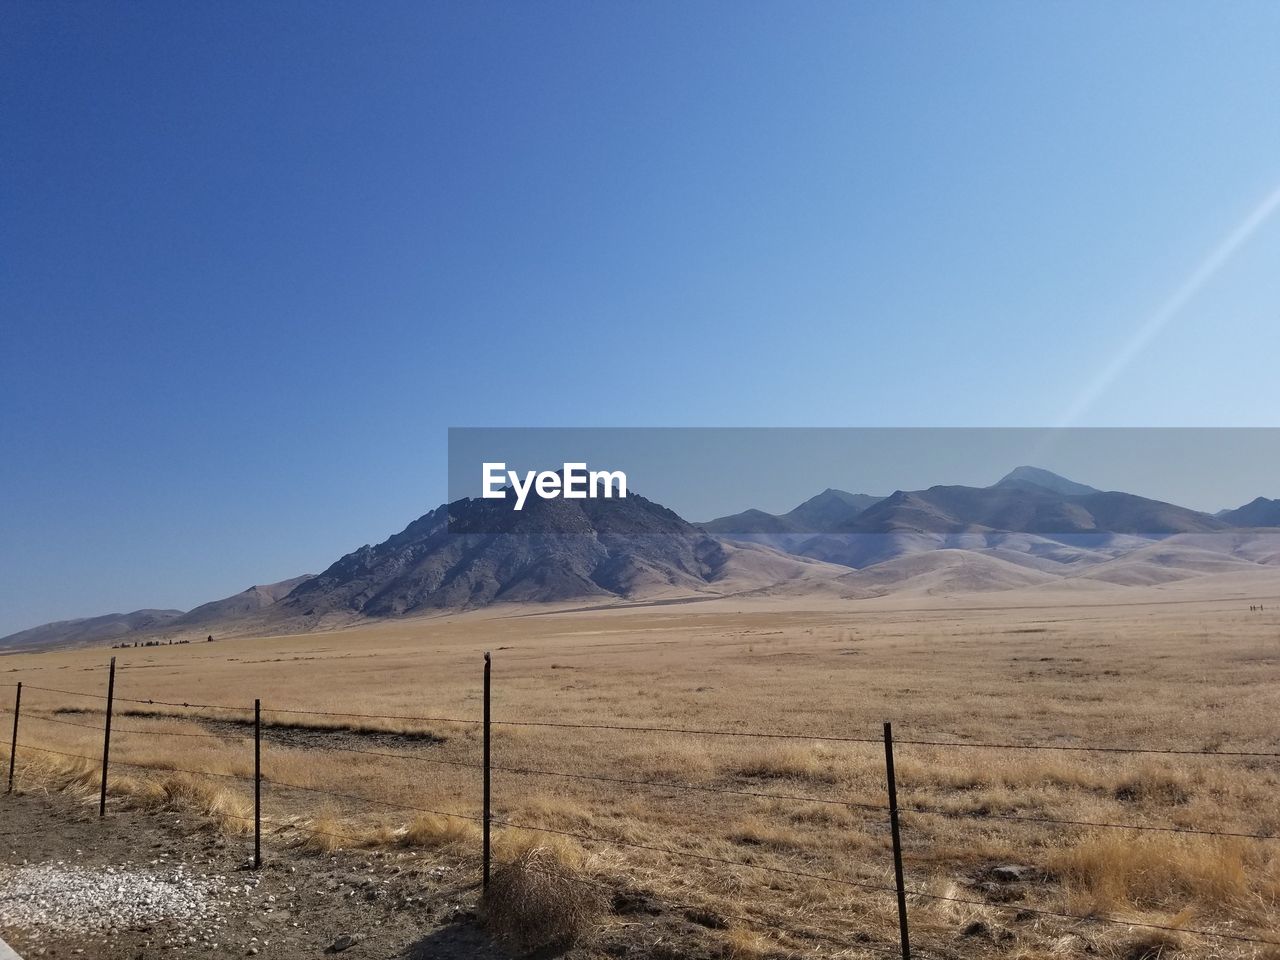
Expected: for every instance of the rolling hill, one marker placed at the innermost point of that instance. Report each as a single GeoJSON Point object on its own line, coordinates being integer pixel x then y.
{"type": "Point", "coordinates": [85, 630]}
{"type": "Point", "coordinates": [253, 600]}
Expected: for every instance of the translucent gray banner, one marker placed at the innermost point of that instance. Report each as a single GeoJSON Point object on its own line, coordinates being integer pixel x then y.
{"type": "Point", "coordinates": [772, 482]}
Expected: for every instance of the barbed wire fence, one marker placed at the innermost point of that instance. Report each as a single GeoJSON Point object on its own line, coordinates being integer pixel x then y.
{"type": "Point", "coordinates": [892, 810]}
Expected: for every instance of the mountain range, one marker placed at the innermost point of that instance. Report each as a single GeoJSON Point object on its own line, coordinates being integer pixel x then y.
{"type": "Point", "coordinates": [1032, 527]}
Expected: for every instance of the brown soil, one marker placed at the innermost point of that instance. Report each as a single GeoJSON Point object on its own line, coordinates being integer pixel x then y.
{"type": "Point", "coordinates": [317, 899]}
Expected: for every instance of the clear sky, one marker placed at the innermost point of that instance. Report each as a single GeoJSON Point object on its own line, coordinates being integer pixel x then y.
{"type": "Point", "coordinates": [255, 258]}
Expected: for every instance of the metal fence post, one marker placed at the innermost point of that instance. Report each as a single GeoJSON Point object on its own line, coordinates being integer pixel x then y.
{"type": "Point", "coordinates": [904, 936]}
{"type": "Point", "coordinates": [486, 768]}
{"type": "Point", "coordinates": [257, 784]}
{"type": "Point", "coordinates": [106, 739]}
{"type": "Point", "coordinates": [13, 745]}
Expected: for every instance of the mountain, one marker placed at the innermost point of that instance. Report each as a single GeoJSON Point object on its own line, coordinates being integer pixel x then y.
{"type": "Point", "coordinates": [1030, 517]}
{"type": "Point", "coordinates": [1047, 480]}
{"type": "Point", "coordinates": [1024, 507]}
{"type": "Point", "coordinates": [1257, 513]}
{"type": "Point", "coordinates": [750, 522]}
{"type": "Point", "coordinates": [474, 552]}
{"type": "Point", "coordinates": [110, 626]}
{"type": "Point", "coordinates": [829, 509]}
{"type": "Point", "coordinates": [253, 600]}
{"type": "Point", "coordinates": [821, 514]}
{"type": "Point", "coordinates": [1030, 528]}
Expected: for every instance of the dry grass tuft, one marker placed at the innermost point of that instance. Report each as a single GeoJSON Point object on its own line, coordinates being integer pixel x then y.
{"type": "Point", "coordinates": [1154, 945]}
{"type": "Point", "coordinates": [754, 832]}
{"type": "Point", "coordinates": [325, 834]}
{"type": "Point", "coordinates": [745, 945]}
{"type": "Point", "coordinates": [1113, 870]}
{"type": "Point", "coordinates": [54, 773]}
{"type": "Point", "coordinates": [1156, 785]}
{"type": "Point", "coordinates": [788, 763]}
{"type": "Point", "coordinates": [432, 831]}
{"type": "Point", "coordinates": [540, 897]}
{"type": "Point", "coordinates": [231, 812]}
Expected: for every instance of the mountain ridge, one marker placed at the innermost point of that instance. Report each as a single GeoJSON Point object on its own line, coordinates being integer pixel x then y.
{"type": "Point", "coordinates": [1029, 525]}
{"type": "Point", "coordinates": [819, 514]}
{"type": "Point", "coordinates": [1259, 512]}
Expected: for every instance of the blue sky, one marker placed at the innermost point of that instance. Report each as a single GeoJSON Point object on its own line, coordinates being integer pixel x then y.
{"type": "Point", "coordinates": [256, 258]}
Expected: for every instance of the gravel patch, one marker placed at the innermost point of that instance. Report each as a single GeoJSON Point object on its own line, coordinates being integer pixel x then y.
{"type": "Point", "coordinates": [61, 874]}
{"type": "Point", "coordinates": [57, 898]}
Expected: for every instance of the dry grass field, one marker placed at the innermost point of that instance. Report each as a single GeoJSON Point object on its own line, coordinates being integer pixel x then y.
{"type": "Point", "coordinates": [1148, 668]}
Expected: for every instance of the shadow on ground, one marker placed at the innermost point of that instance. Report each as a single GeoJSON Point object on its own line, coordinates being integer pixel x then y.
{"type": "Point", "coordinates": [455, 941]}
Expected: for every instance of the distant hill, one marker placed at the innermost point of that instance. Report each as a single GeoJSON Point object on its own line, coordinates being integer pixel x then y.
{"type": "Point", "coordinates": [1028, 513]}
{"type": "Point", "coordinates": [827, 511]}
{"type": "Point", "coordinates": [253, 600]}
{"type": "Point", "coordinates": [939, 572]}
{"type": "Point", "coordinates": [1257, 513]}
{"type": "Point", "coordinates": [1024, 507]}
{"type": "Point", "coordinates": [86, 630]}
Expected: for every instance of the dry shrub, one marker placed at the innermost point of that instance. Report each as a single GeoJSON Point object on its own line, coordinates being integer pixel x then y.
{"type": "Point", "coordinates": [432, 831]}
{"type": "Point", "coordinates": [1116, 870]}
{"type": "Point", "coordinates": [538, 896]}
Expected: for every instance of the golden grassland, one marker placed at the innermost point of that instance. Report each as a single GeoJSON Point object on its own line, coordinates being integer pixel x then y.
{"type": "Point", "coordinates": [1202, 675]}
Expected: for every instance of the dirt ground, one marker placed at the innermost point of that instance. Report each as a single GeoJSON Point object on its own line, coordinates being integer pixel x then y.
{"type": "Point", "coordinates": [389, 904]}
{"type": "Point", "coordinates": [296, 906]}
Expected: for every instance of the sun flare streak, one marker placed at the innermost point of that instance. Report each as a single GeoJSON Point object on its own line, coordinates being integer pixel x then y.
{"type": "Point", "coordinates": [1171, 307]}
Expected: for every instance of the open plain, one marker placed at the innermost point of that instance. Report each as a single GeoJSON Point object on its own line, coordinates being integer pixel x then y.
{"type": "Point", "coordinates": [747, 818]}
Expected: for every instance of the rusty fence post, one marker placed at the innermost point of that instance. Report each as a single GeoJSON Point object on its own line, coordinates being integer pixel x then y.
{"type": "Point", "coordinates": [257, 784]}
{"type": "Point", "coordinates": [486, 814]}
{"type": "Point", "coordinates": [13, 744]}
{"type": "Point", "coordinates": [903, 933]}
{"type": "Point", "coordinates": [106, 738]}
